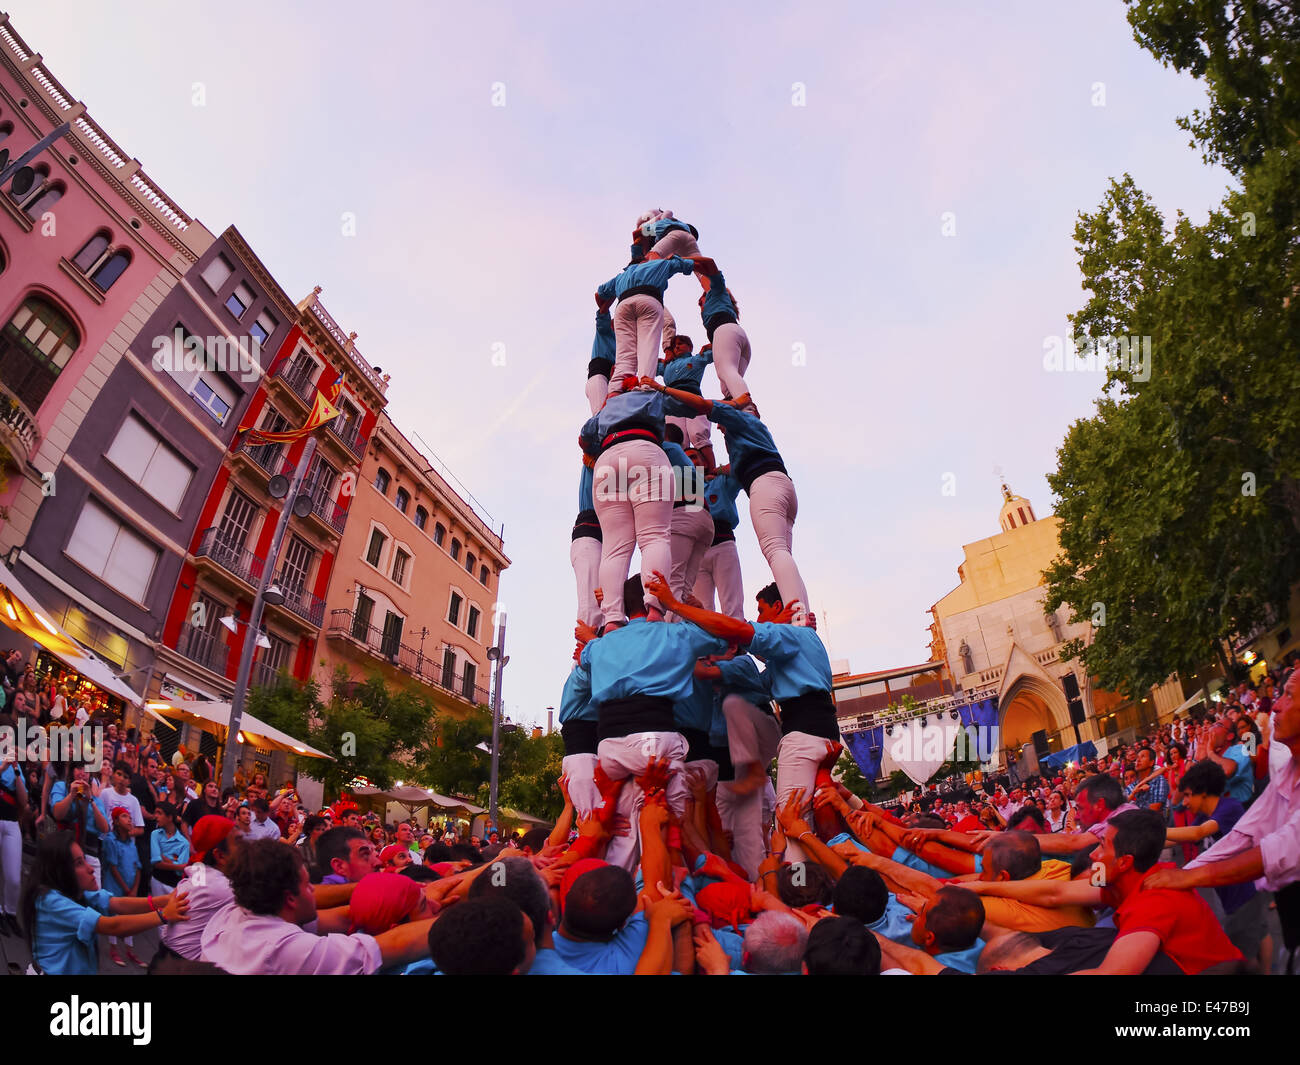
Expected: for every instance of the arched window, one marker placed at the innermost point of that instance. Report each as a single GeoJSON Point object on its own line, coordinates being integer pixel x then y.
{"type": "Point", "coordinates": [6, 128]}
{"type": "Point", "coordinates": [469, 561]}
{"type": "Point", "coordinates": [455, 549]}
{"type": "Point", "coordinates": [35, 346]}
{"type": "Point", "coordinates": [421, 515]}
{"type": "Point", "coordinates": [93, 252]}
{"type": "Point", "coordinates": [439, 533]}
{"type": "Point", "coordinates": [402, 500]}
{"type": "Point", "coordinates": [483, 575]}
{"type": "Point", "coordinates": [43, 194]}
{"type": "Point", "coordinates": [382, 481]}
{"type": "Point", "coordinates": [110, 270]}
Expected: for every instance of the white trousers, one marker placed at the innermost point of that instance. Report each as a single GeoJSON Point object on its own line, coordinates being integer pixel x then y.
{"type": "Point", "coordinates": [752, 735]}
{"type": "Point", "coordinates": [731, 358]}
{"type": "Point", "coordinates": [584, 556]}
{"type": "Point", "coordinates": [11, 865]}
{"type": "Point", "coordinates": [676, 242]}
{"type": "Point", "coordinates": [773, 506]}
{"type": "Point", "coordinates": [691, 535]}
{"type": "Point", "coordinates": [597, 390]}
{"type": "Point", "coordinates": [797, 759]}
{"type": "Point", "coordinates": [633, 490]}
{"type": "Point", "coordinates": [696, 430]}
{"type": "Point", "coordinates": [624, 757]}
{"type": "Point", "coordinates": [581, 771]}
{"type": "Point", "coordinates": [720, 572]}
{"type": "Point", "coordinates": [638, 324]}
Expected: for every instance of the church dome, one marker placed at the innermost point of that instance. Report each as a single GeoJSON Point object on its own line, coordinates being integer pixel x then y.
{"type": "Point", "coordinates": [1016, 511]}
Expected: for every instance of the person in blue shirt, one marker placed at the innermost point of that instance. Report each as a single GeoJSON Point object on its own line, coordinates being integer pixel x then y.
{"type": "Point", "coordinates": [517, 880]}
{"type": "Point", "coordinates": [601, 363]}
{"type": "Point", "coordinates": [63, 913]}
{"type": "Point", "coordinates": [719, 584]}
{"type": "Point", "coordinates": [169, 851]}
{"type": "Point", "coordinates": [121, 872]}
{"type": "Point", "coordinates": [799, 671]}
{"type": "Point", "coordinates": [721, 316]}
{"type": "Point", "coordinates": [682, 367]}
{"type": "Point", "coordinates": [639, 316]}
{"type": "Point", "coordinates": [691, 531]}
{"type": "Point", "coordinates": [638, 673]}
{"type": "Point", "coordinates": [756, 462]}
{"type": "Point", "coordinates": [578, 718]}
{"type": "Point", "coordinates": [632, 491]}
{"type": "Point", "coordinates": [1235, 762]}
{"type": "Point", "coordinates": [585, 543]}
{"type": "Point", "coordinates": [668, 236]}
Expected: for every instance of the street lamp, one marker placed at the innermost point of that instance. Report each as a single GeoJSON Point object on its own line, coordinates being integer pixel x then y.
{"type": "Point", "coordinates": [496, 654]}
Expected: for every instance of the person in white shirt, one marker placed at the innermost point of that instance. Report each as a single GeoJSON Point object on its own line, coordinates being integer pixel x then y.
{"type": "Point", "coordinates": [120, 795]}
{"type": "Point", "coordinates": [1265, 844]}
{"type": "Point", "coordinates": [269, 929]}
{"type": "Point", "coordinates": [206, 886]}
{"type": "Point", "coordinates": [262, 827]}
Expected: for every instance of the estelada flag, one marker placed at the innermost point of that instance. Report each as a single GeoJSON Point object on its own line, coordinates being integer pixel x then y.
{"type": "Point", "coordinates": [321, 412]}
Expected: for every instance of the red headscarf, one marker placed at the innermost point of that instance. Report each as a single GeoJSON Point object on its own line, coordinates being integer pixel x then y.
{"type": "Point", "coordinates": [382, 900]}
{"type": "Point", "coordinates": [727, 904]}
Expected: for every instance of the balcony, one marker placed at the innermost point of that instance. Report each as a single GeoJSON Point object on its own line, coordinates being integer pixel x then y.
{"type": "Point", "coordinates": [240, 563]}
{"type": "Point", "coordinates": [18, 432]}
{"type": "Point", "coordinates": [264, 675]}
{"type": "Point", "coordinates": [266, 457]}
{"type": "Point", "coordinates": [331, 514]}
{"type": "Point", "coordinates": [294, 380]}
{"type": "Point", "coordinates": [346, 625]}
{"type": "Point", "coordinates": [301, 603]}
{"type": "Point", "coordinates": [203, 648]}
{"type": "Point", "coordinates": [349, 436]}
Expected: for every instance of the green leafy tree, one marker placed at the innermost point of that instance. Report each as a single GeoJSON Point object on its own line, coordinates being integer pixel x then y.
{"type": "Point", "coordinates": [1180, 498]}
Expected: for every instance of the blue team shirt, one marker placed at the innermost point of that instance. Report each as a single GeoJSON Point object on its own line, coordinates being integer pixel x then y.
{"type": "Point", "coordinates": [624, 410]}
{"type": "Point", "coordinates": [663, 226]}
{"type": "Point", "coordinates": [648, 658]}
{"type": "Point", "coordinates": [120, 854]}
{"type": "Point", "coordinates": [586, 501]}
{"type": "Point", "coordinates": [741, 676]}
{"type": "Point", "coordinates": [1226, 815]}
{"type": "Point", "coordinates": [64, 942]}
{"type": "Point", "coordinates": [686, 371]}
{"type": "Point", "coordinates": [688, 479]}
{"type": "Point", "coordinates": [618, 957]}
{"type": "Point", "coordinates": [695, 711]}
{"type": "Point", "coordinates": [716, 298]}
{"type": "Point", "coordinates": [602, 345]}
{"type": "Point", "coordinates": [549, 963]}
{"type": "Point", "coordinates": [177, 847]}
{"type": "Point", "coordinates": [1241, 785]}
{"type": "Point", "coordinates": [720, 497]}
{"type": "Point", "coordinates": [748, 440]}
{"type": "Point", "coordinates": [653, 273]}
{"type": "Point", "coordinates": [796, 659]}
{"type": "Point", "coordinates": [575, 700]}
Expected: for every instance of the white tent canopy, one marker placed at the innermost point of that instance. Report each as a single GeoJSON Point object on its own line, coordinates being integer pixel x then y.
{"type": "Point", "coordinates": [259, 733]}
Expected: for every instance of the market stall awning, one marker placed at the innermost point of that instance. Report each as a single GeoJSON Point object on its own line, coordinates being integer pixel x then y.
{"type": "Point", "coordinates": [215, 717]}
{"type": "Point", "coordinates": [20, 611]}
{"type": "Point", "coordinates": [528, 819]}
{"type": "Point", "coordinates": [410, 795]}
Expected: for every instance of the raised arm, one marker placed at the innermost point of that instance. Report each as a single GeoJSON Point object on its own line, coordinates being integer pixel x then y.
{"type": "Point", "coordinates": [698, 404]}
{"type": "Point", "coordinates": [1054, 893]}
{"type": "Point", "coordinates": [720, 625]}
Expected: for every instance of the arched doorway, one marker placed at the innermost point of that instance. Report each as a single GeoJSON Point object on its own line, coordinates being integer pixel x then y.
{"type": "Point", "coordinates": [1030, 704]}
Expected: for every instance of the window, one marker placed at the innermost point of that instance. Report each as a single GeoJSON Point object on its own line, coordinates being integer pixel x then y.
{"type": "Point", "coordinates": [382, 481]}
{"type": "Point", "coordinates": [296, 565]}
{"type": "Point", "coordinates": [237, 521]}
{"type": "Point", "coordinates": [400, 559]}
{"type": "Point", "coordinates": [276, 657]}
{"type": "Point", "coordinates": [119, 556]}
{"type": "Point", "coordinates": [453, 611]}
{"type": "Point", "coordinates": [320, 482]}
{"type": "Point", "coordinates": [214, 395]}
{"type": "Point", "coordinates": [110, 270]}
{"type": "Point", "coordinates": [421, 517]}
{"type": "Point", "coordinates": [239, 300]}
{"type": "Point", "coordinates": [402, 500]}
{"type": "Point", "coordinates": [468, 678]}
{"type": "Point", "coordinates": [483, 575]}
{"type": "Point", "coordinates": [216, 273]}
{"type": "Point", "coordinates": [140, 453]}
{"type": "Point", "coordinates": [448, 668]}
{"type": "Point", "coordinates": [361, 619]}
{"type": "Point", "coordinates": [469, 562]}
{"type": "Point", "coordinates": [302, 367]}
{"type": "Point", "coordinates": [35, 346]}
{"type": "Point", "coordinates": [471, 622]}
{"type": "Point", "coordinates": [376, 549]}
{"type": "Point", "coordinates": [392, 639]}
{"type": "Point", "coordinates": [1021, 512]}
{"type": "Point", "coordinates": [6, 128]}
{"type": "Point", "coordinates": [95, 249]}
{"type": "Point", "coordinates": [439, 533]}
{"type": "Point", "coordinates": [262, 329]}
{"type": "Point", "coordinates": [455, 549]}
{"type": "Point", "coordinates": [42, 195]}
{"type": "Point", "coordinates": [267, 455]}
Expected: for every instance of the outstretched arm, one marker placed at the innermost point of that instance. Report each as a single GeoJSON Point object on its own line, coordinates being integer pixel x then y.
{"type": "Point", "coordinates": [698, 404]}
{"type": "Point", "coordinates": [720, 625]}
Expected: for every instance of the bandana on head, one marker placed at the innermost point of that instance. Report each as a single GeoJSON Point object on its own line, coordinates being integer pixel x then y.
{"type": "Point", "coordinates": [726, 904]}
{"type": "Point", "coordinates": [381, 901]}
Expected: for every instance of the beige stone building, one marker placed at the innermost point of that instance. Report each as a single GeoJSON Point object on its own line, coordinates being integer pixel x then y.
{"type": "Point", "coordinates": [414, 587]}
